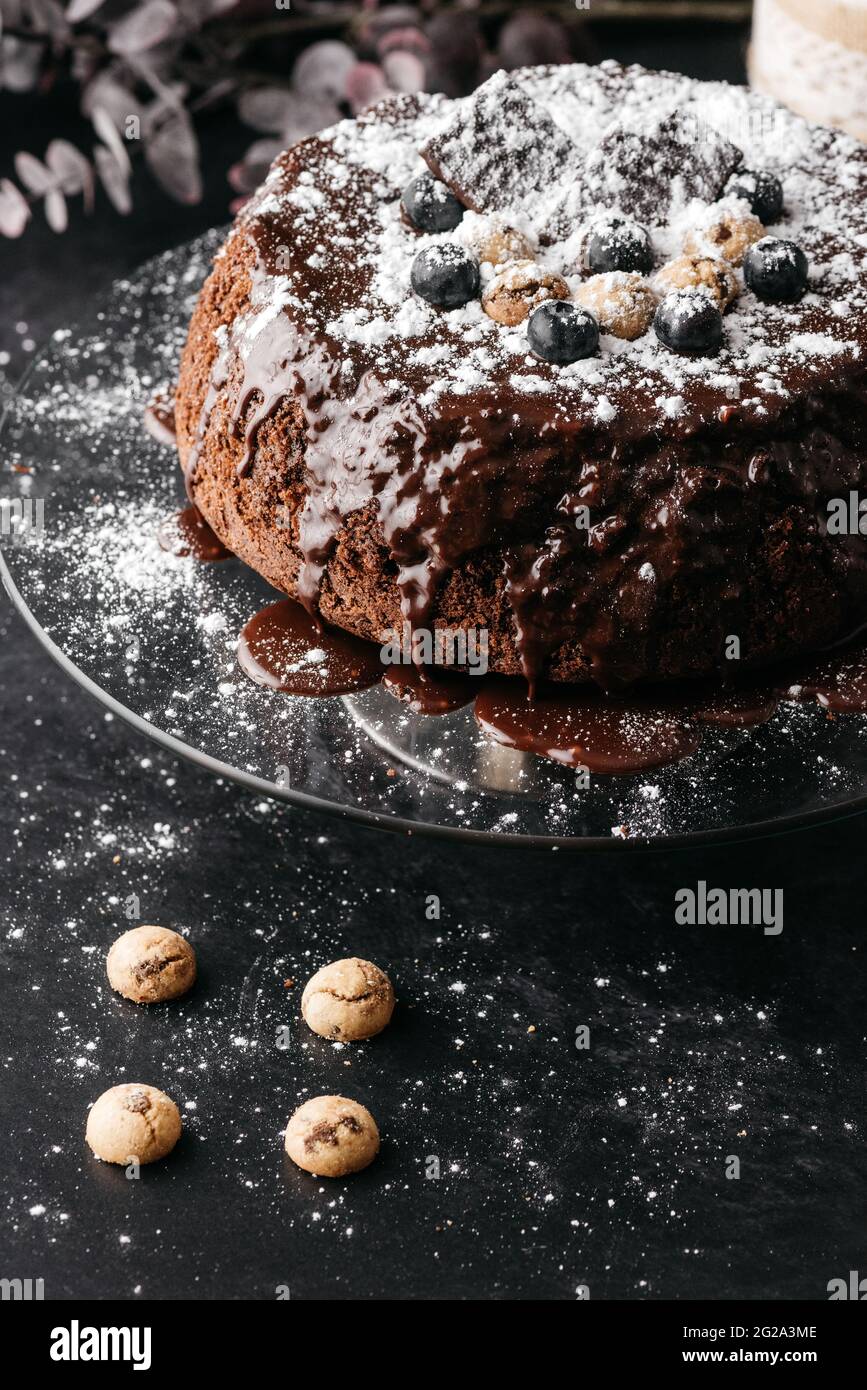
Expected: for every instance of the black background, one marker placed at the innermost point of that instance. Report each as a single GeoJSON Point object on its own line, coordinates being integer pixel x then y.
{"type": "Point", "coordinates": [557, 1167]}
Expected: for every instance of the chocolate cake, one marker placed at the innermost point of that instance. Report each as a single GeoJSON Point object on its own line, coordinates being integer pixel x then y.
{"type": "Point", "coordinates": [579, 360]}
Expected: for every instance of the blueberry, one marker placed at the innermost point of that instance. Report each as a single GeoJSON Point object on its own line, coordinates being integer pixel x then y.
{"type": "Point", "coordinates": [445, 275]}
{"type": "Point", "coordinates": [763, 192]}
{"type": "Point", "coordinates": [430, 206]}
{"type": "Point", "coordinates": [688, 321]}
{"type": "Point", "coordinates": [561, 332]}
{"type": "Point", "coordinates": [776, 270]}
{"type": "Point", "coordinates": [618, 244]}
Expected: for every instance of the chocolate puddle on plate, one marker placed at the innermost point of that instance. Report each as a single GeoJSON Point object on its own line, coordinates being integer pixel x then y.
{"type": "Point", "coordinates": [159, 418]}
{"type": "Point", "coordinates": [188, 533]}
{"type": "Point", "coordinates": [284, 648]}
{"type": "Point", "coordinates": [585, 728]}
{"type": "Point", "coordinates": [431, 692]}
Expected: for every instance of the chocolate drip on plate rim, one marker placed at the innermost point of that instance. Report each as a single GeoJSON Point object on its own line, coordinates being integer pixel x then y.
{"type": "Point", "coordinates": [188, 533]}
{"type": "Point", "coordinates": [159, 418]}
{"type": "Point", "coordinates": [284, 648]}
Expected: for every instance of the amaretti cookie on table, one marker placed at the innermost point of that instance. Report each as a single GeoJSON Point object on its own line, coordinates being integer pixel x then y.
{"type": "Point", "coordinates": [133, 1123]}
{"type": "Point", "coordinates": [332, 1136]}
{"type": "Point", "coordinates": [150, 965]}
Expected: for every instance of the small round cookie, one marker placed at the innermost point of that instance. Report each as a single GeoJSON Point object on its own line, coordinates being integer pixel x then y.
{"type": "Point", "coordinates": [151, 964]}
{"type": "Point", "coordinates": [133, 1122]}
{"type": "Point", "coordinates": [709, 273]}
{"type": "Point", "coordinates": [518, 288]}
{"type": "Point", "coordinates": [493, 240]}
{"type": "Point", "coordinates": [332, 1136]}
{"type": "Point", "coordinates": [724, 231]}
{"type": "Point", "coordinates": [349, 999]}
{"type": "Point", "coordinates": [622, 301]}
{"type": "Point", "coordinates": [502, 243]}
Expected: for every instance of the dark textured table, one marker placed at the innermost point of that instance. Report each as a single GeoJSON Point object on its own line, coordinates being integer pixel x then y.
{"type": "Point", "coordinates": [514, 1164]}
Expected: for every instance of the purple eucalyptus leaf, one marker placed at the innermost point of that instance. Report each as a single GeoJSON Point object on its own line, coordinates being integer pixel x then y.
{"type": "Point", "coordinates": [246, 175]}
{"type": "Point", "coordinates": [14, 209]}
{"type": "Point", "coordinates": [33, 173]}
{"type": "Point", "coordinates": [198, 12]}
{"type": "Point", "coordinates": [47, 17]}
{"type": "Point", "coordinates": [105, 90]}
{"type": "Point", "coordinates": [217, 92]}
{"type": "Point", "coordinates": [266, 108]}
{"type": "Point", "coordinates": [322, 70]}
{"type": "Point", "coordinates": [377, 22]}
{"type": "Point", "coordinates": [289, 114]}
{"type": "Point", "coordinates": [529, 38]}
{"type": "Point", "coordinates": [55, 210]}
{"type": "Point", "coordinates": [408, 38]}
{"type": "Point", "coordinates": [307, 117]}
{"type": "Point", "coordinates": [78, 10]}
{"type": "Point", "coordinates": [72, 170]}
{"type": "Point", "coordinates": [404, 72]}
{"type": "Point", "coordinates": [11, 12]}
{"type": "Point", "coordinates": [19, 64]}
{"type": "Point", "coordinates": [143, 28]}
{"type": "Point", "coordinates": [365, 85]}
{"type": "Point", "coordinates": [457, 49]}
{"type": "Point", "coordinates": [114, 179]}
{"type": "Point", "coordinates": [172, 154]}
{"type": "Point", "coordinates": [107, 131]}
{"type": "Point", "coordinates": [263, 152]}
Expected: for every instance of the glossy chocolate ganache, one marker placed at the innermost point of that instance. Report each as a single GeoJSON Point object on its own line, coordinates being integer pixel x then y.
{"type": "Point", "coordinates": [578, 726]}
{"type": "Point", "coordinates": [616, 520]}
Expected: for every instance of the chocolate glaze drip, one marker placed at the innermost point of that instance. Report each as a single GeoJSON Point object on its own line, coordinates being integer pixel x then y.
{"type": "Point", "coordinates": [159, 418]}
{"type": "Point", "coordinates": [838, 683]}
{"type": "Point", "coordinates": [670, 504]}
{"type": "Point", "coordinates": [735, 706]}
{"type": "Point", "coordinates": [584, 728]}
{"type": "Point", "coordinates": [188, 533]}
{"type": "Point", "coordinates": [285, 649]}
{"type": "Point", "coordinates": [431, 691]}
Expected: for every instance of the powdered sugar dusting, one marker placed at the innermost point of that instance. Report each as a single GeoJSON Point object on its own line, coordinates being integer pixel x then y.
{"type": "Point", "coordinates": [768, 351]}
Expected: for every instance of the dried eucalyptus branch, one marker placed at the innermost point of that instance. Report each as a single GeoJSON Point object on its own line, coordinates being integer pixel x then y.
{"type": "Point", "coordinates": [144, 68]}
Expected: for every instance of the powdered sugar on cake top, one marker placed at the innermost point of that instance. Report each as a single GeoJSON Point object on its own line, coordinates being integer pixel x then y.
{"type": "Point", "coordinates": [343, 206]}
{"type": "Point", "coordinates": [530, 154]}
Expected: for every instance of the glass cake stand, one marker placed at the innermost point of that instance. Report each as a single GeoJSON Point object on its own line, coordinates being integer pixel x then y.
{"type": "Point", "coordinates": [152, 636]}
